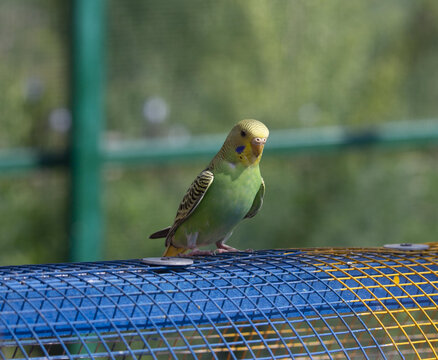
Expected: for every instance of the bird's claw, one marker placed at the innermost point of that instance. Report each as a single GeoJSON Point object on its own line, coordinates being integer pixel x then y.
{"type": "Point", "coordinates": [197, 252]}
{"type": "Point", "coordinates": [223, 251]}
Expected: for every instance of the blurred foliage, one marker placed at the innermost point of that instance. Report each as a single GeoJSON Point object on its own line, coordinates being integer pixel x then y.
{"type": "Point", "coordinates": [198, 66]}
{"type": "Point", "coordinates": [33, 71]}
{"type": "Point", "coordinates": [33, 83]}
{"type": "Point", "coordinates": [33, 219]}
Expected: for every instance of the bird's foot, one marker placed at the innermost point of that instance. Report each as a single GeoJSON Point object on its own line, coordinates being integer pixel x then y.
{"type": "Point", "coordinates": [222, 248]}
{"type": "Point", "coordinates": [197, 252]}
{"type": "Point", "coordinates": [222, 251]}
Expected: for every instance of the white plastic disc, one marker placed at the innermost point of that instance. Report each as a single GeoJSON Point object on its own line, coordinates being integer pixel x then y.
{"type": "Point", "coordinates": [407, 247]}
{"type": "Point", "coordinates": [168, 261]}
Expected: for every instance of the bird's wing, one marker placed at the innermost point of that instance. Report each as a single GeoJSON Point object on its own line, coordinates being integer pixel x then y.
{"type": "Point", "coordinates": [258, 201]}
{"type": "Point", "coordinates": [192, 198]}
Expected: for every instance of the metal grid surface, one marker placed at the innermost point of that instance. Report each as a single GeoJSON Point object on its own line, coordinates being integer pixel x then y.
{"type": "Point", "coordinates": [308, 303]}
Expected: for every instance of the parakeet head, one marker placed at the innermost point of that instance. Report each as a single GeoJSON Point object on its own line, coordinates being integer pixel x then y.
{"type": "Point", "coordinates": [245, 142]}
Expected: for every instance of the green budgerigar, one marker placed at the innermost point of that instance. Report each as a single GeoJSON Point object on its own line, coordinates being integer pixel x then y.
{"type": "Point", "coordinates": [229, 190]}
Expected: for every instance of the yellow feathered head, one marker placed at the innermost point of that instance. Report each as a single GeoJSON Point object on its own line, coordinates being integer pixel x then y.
{"type": "Point", "coordinates": [246, 141]}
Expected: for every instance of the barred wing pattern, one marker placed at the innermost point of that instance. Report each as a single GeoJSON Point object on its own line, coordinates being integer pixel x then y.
{"type": "Point", "coordinates": [191, 199]}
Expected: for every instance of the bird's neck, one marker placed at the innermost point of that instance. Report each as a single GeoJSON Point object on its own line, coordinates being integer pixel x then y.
{"type": "Point", "coordinates": [231, 165]}
{"type": "Point", "coordinates": [242, 160]}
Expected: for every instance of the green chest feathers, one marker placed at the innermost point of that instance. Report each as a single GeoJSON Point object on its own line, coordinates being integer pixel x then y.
{"type": "Point", "coordinates": [231, 195]}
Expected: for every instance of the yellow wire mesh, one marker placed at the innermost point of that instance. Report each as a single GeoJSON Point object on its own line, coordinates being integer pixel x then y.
{"type": "Point", "coordinates": [411, 332]}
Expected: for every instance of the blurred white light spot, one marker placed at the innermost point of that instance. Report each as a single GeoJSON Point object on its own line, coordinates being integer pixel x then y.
{"type": "Point", "coordinates": [155, 110]}
{"type": "Point", "coordinates": [308, 114]}
{"type": "Point", "coordinates": [60, 120]}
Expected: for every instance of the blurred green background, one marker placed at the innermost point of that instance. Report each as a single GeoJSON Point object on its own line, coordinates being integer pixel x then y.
{"type": "Point", "coordinates": [176, 69]}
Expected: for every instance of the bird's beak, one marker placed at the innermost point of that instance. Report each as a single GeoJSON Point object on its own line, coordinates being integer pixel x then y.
{"type": "Point", "coordinates": [257, 145]}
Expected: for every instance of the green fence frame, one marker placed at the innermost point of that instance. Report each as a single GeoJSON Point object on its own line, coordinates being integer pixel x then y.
{"type": "Point", "coordinates": [87, 155]}
{"type": "Point", "coordinates": [88, 63]}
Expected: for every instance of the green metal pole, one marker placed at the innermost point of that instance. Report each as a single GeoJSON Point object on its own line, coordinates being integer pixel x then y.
{"type": "Point", "coordinates": [87, 103]}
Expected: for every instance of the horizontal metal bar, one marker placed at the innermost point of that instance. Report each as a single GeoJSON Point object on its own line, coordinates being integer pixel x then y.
{"type": "Point", "coordinates": [164, 150]}
{"type": "Point", "coordinates": [290, 141]}
{"type": "Point", "coordinates": [418, 132]}
{"type": "Point", "coordinates": [23, 159]}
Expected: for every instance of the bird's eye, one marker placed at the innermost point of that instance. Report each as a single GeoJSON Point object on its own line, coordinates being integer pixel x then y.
{"type": "Point", "coordinates": [243, 133]}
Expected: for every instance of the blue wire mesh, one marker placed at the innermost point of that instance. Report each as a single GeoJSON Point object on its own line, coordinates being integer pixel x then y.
{"type": "Point", "coordinates": [310, 303]}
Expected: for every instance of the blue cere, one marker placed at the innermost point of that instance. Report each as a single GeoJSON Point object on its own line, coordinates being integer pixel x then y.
{"type": "Point", "coordinates": [240, 149]}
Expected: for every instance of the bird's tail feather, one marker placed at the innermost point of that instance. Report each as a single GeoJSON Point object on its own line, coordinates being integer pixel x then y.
{"type": "Point", "coordinates": [174, 251]}
{"type": "Point", "coordinates": [160, 234]}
